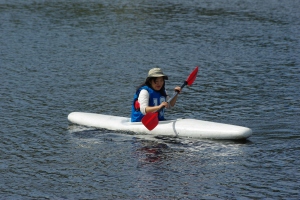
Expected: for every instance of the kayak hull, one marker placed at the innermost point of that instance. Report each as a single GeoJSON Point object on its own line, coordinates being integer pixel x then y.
{"type": "Point", "coordinates": [178, 127]}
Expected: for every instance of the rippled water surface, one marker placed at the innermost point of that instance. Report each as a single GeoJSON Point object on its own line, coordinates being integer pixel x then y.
{"type": "Point", "coordinates": [57, 57]}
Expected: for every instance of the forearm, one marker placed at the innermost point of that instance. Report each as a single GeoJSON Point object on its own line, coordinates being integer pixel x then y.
{"type": "Point", "coordinates": [173, 101]}
{"type": "Point", "coordinates": [150, 109]}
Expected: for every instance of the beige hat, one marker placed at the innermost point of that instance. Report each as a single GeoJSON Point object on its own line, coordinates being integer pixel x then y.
{"type": "Point", "coordinates": [156, 72]}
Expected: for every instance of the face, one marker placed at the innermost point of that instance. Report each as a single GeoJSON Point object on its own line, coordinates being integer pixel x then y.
{"type": "Point", "coordinates": [157, 83]}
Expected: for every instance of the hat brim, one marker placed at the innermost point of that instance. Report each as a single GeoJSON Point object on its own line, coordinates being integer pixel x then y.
{"type": "Point", "coordinates": [156, 76]}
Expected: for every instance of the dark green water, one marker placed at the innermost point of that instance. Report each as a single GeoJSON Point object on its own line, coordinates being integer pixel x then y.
{"type": "Point", "coordinates": [57, 57]}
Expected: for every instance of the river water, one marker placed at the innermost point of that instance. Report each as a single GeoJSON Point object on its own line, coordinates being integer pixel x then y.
{"type": "Point", "coordinates": [59, 56]}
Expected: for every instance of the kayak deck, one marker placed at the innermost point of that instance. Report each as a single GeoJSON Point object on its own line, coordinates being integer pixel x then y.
{"type": "Point", "coordinates": [178, 127]}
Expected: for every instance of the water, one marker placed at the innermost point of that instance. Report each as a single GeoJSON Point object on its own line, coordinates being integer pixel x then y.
{"type": "Point", "coordinates": [57, 57]}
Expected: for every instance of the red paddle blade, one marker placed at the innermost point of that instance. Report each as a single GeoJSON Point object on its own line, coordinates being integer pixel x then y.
{"type": "Point", "coordinates": [192, 76]}
{"type": "Point", "coordinates": [150, 120]}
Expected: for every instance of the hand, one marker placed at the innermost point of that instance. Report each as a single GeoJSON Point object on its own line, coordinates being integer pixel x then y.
{"type": "Point", "coordinates": [177, 89]}
{"type": "Point", "coordinates": [163, 104]}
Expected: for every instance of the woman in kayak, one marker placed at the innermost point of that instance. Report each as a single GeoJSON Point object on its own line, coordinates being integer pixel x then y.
{"type": "Point", "coordinates": [151, 96]}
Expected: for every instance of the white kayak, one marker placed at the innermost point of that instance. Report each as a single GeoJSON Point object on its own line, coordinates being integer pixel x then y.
{"type": "Point", "coordinates": [178, 127]}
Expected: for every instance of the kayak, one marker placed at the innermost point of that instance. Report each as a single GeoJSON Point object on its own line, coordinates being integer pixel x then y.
{"type": "Point", "coordinates": [178, 127]}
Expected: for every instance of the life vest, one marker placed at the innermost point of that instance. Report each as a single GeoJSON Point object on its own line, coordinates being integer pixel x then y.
{"type": "Point", "coordinates": [155, 99]}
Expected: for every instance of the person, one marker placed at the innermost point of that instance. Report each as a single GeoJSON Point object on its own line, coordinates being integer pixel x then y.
{"type": "Point", "coordinates": [151, 96]}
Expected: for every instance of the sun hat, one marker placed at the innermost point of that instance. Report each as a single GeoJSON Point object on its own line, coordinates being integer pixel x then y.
{"type": "Point", "coordinates": [156, 72]}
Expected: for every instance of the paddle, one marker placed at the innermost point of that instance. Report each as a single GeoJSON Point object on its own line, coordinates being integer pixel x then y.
{"type": "Point", "coordinates": [150, 120]}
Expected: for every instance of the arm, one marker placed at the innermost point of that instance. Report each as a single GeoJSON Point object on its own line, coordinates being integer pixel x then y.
{"type": "Point", "coordinates": [173, 100]}
{"type": "Point", "coordinates": [144, 103]}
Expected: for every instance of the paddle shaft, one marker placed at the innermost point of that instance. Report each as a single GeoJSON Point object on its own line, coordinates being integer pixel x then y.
{"type": "Point", "coordinates": [184, 84]}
